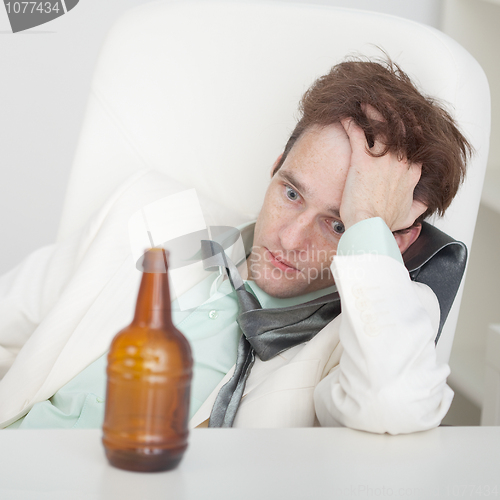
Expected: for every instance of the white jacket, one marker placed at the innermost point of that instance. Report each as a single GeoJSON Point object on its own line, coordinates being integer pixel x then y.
{"type": "Point", "coordinates": [373, 368]}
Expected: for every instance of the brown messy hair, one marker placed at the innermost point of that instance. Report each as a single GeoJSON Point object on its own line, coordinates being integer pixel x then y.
{"type": "Point", "coordinates": [414, 126]}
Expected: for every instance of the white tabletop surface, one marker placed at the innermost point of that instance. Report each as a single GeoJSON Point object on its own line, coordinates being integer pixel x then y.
{"type": "Point", "coordinates": [261, 464]}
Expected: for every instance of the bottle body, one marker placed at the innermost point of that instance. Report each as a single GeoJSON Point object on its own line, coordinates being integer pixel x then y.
{"type": "Point", "coordinates": [149, 379]}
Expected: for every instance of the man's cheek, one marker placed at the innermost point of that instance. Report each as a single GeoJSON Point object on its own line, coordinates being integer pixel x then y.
{"type": "Point", "coordinates": [257, 267]}
{"type": "Point", "coordinates": [312, 274]}
{"type": "Point", "coordinates": [256, 256]}
{"type": "Point", "coordinates": [304, 257]}
{"type": "Point", "coordinates": [255, 273]}
{"type": "Point", "coordinates": [323, 256]}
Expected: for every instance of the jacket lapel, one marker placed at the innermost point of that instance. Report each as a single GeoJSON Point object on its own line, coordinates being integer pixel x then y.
{"type": "Point", "coordinates": [292, 371]}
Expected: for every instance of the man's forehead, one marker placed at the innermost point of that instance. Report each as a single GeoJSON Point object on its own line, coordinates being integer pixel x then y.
{"type": "Point", "coordinates": [319, 142]}
{"type": "Point", "coordinates": [324, 149]}
{"type": "Point", "coordinates": [334, 131]}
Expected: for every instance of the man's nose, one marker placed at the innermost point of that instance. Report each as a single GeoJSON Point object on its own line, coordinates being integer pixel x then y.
{"type": "Point", "coordinates": [297, 233]}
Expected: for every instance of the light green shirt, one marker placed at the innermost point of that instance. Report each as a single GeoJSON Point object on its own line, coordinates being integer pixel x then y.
{"type": "Point", "coordinates": [212, 332]}
{"type": "Point", "coordinates": [369, 236]}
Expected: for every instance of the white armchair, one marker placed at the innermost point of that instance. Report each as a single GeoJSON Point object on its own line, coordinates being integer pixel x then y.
{"type": "Point", "coordinates": [208, 92]}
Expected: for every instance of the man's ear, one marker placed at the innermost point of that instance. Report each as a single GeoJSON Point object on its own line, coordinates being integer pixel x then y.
{"type": "Point", "coordinates": [406, 237]}
{"type": "Point", "coordinates": [275, 164]}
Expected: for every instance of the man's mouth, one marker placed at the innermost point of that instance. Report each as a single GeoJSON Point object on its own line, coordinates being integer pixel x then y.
{"type": "Point", "coordinates": [281, 263]}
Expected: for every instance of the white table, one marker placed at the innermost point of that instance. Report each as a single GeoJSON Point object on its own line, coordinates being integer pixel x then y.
{"type": "Point", "coordinates": [235, 464]}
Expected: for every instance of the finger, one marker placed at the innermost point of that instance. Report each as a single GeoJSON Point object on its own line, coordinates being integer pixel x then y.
{"type": "Point", "coordinates": [371, 113]}
{"type": "Point", "coordinates": [416, 210]}
{"type": "Point", "coordinates": [417, 207]}
{"type": "Point", "coordinates": [415, 171]}
{"type": "Point", "coordinates": [355, 134]}
{"type": "Point", "coordinates": [378, 146]}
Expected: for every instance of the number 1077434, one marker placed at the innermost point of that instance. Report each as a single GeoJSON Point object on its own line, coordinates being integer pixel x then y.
{"type": "Point", "coordinates": [32, 7]}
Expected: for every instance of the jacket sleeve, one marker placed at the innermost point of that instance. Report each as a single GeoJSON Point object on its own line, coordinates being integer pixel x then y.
{"type": "Point", "coordinates": [388, 378]}
{"type": "Point", "coordinates": [84, 262]}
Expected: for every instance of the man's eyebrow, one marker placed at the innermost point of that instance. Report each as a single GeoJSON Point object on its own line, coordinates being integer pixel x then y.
{"type": "Point", "coordinates": [292, 180]}
{"type": "Point", "coordinates": [289, 177]}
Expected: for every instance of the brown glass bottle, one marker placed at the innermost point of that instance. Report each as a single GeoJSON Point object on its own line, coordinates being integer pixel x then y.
{"type": "Point", "coordinates": [149, 379]}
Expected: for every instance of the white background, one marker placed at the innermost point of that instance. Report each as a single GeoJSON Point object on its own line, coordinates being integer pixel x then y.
{"type": "Point", "coordinates": [45, 76]}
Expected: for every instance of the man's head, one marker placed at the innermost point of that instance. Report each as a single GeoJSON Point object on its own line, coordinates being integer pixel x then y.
{"type": "Point", "coordinates": [413, 125]}
{"type": "Point", "coordinates": [298, 229]}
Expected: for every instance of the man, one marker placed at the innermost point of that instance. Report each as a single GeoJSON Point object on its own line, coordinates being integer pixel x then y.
{"type": "Point", "coordinates": [369, 158]}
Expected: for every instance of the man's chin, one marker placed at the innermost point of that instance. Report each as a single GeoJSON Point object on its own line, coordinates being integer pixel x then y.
{"type": "Point", "coordinates": [280, 290]}
{"type": "Point", "coordinates": [285, 288]}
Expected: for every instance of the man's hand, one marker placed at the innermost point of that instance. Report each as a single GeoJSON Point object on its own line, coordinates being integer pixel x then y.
{"type": "Point", "coordinates": [378, 186]}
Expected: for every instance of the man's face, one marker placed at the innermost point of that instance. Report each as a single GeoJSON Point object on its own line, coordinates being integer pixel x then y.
{"type": "Point", "coordinates": [299, 227]}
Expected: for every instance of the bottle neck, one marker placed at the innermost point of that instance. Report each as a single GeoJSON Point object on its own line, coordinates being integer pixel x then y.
{"type": "Point", "coordinates": [153, 301]}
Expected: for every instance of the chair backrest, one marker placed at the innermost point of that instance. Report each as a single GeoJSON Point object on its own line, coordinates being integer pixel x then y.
{"type": "Point", "coordinates": [208, 92]}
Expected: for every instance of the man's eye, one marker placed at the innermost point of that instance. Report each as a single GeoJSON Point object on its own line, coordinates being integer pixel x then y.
{"type": "Point", "coordinates": [291, 194]}
{"type": "Point", "coordinates": [338, 227]}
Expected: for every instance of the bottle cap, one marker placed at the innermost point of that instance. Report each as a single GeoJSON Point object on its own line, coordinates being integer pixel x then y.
{"type": "Point", "coordinates": [154, 260]}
